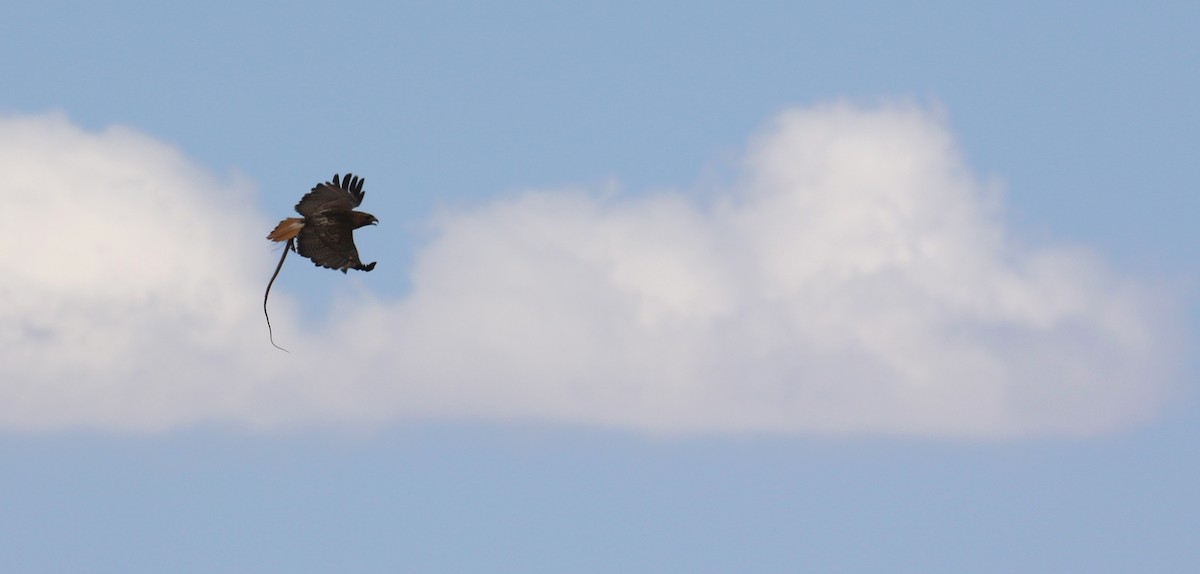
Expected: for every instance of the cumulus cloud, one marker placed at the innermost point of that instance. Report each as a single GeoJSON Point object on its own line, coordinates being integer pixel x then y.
{"type": "Point", "coordinates": [125, 287]}
{"type": "Point", "coordinates": [856, 279]}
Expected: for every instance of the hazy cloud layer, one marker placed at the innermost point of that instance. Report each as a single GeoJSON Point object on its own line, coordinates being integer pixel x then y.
{"type": "Point", "coordinates": [857, 278]}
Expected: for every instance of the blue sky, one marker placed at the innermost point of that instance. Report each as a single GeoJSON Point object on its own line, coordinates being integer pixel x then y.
{"type": "Point", "coordinates": [669, 287]}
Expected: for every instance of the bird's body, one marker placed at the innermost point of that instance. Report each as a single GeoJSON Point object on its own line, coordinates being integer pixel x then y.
{"type": "Point", "coordinates": [325, 232]}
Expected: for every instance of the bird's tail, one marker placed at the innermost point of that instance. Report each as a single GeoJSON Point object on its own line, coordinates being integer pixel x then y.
{"type": "Point", "coordinates": [287, 229]}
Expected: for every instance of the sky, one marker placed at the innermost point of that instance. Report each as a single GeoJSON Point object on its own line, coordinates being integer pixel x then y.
{"type": "Point", "coordinates": [661, 287]}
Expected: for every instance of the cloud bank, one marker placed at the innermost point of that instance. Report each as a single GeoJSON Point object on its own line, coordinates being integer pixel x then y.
{"type": "Point", "coordinates": [855, 279]}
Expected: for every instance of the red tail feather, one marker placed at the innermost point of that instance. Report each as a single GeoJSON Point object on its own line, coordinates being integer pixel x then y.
{"type": "Point", "coordinates": [287, 229]}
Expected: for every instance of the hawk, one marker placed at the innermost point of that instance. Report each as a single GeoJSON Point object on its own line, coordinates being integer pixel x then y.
{"type": "Point", "coordinates": [325, 233]}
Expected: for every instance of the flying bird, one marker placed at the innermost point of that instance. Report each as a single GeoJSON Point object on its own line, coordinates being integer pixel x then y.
{"type": "Point", "coordinates": [325, 233]}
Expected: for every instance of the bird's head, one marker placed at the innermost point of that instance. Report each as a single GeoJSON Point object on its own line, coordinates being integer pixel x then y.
{"type": "Point", "coordinates": [362, 219]}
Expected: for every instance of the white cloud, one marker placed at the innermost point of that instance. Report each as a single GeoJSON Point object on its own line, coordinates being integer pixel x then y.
{"type": "Point", "coordinates": [124, 295]}
{"type": "Point", "coordinates": [857, 279]}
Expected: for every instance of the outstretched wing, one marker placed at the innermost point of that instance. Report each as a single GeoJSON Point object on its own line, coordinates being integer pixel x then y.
{"type": "Point", "coordinates": [337, 195]}
{"type": "Point", "coordinates": [327, 238]}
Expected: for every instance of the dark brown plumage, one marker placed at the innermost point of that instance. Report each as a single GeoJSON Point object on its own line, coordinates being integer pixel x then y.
{"type": "Point", "coordinates": [325, 233]}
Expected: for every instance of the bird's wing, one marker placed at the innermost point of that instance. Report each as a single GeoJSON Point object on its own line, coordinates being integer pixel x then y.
{"type": "Point", "coordinates": [327, 238]}
{"type": "Point", "coordinates": [341, 194]}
